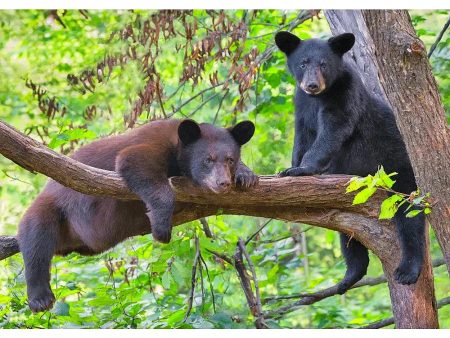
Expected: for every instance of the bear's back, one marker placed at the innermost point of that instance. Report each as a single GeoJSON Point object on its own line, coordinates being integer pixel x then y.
{"type": "Point", "coordinates": [102, 153]}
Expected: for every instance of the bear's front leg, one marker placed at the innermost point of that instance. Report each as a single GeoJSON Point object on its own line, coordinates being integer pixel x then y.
{"type": "Point", "coordinates": [161, 205]}
{"type": "Point", "coordinates": [244, 177]}
{"type": "Point", "coordinates": [334, 129]}
{"type": "Point", "coordinates": [144, 169]}
{"type": "Point", "coordinates": [299, 171]}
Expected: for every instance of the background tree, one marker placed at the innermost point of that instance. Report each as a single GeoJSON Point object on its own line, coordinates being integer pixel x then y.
{"type": "Point", "coordinates": [76, 75]}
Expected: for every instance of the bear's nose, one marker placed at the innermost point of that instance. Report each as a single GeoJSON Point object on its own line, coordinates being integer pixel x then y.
{"type": "Point", "coordinates": [313, 86]}
{"type": "Point", "coordinates": [223, 183]}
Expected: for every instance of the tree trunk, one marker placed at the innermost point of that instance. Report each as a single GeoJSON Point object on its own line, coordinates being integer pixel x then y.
{"type": "Point", "coordinates": [387, 52]}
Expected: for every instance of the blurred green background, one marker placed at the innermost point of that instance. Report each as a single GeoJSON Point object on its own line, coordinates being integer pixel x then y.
{"type": "Point", "coordinates": [54, 87]}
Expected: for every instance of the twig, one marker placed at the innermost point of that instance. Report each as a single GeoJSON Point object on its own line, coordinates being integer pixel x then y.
{"type": "Point", "coordinates": [176, 110]}
{"type": "Point", "coordinates": [260, 324]}
{"type": "Point", "coordinates": [161, 104]}
{"type": "Point", "coordinates": [389, 321]}
{"type": "Point", "coordinates": [439, 37]}
{"type": "Point", "coordinates": [220, 105]}
{"type": "Point", "coordinates": [202, 285]}
{"type": "Point", "coordinates": [314, 297]}
{"type": "Point", "coordinates": [319, 295]}
{"type": "Point", "coordinates": [171, 95]}
{"type": "Point", "coordinates": [257, 231]}
{"type": "Point", "coordinates": [221, 256]}
{"type": "Point", "coordinates": [268, 241]}
{"type": "Point", "coordinates": [244, 280]}
{"type": "Point", "coordinates": [200, 106]}
{"type": "Point", "coordinates": [211, 288]}
{"type": "Point", "coordinates": [300, 18]}
{"type": "Point", "coordinates": [206, 229]}
{"type": "Point", "coordinates": [193, 278]}
{"type": "Point", "coordinates": [379, 324]}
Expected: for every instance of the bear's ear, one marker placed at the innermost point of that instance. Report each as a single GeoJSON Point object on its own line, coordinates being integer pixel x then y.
{"type": "Point", "coordinates": [342, 43]}
{"type": "Point", "coordinates": [287, 42]}
{"type": "Point", "coordinates": [188, 131]}
{"type": "Point", "coordinates": [242, 132]}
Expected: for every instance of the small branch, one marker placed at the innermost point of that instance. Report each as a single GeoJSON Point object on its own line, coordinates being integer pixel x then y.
{"type": "Point", "coordinates": [257, 231]}
{"type": "Point", "coordinates": [269, 241]}
{"type": "Point", "coordinates": [221, 256]}
{"type": "Point", "coordinates": [161, 104]}
{"type": "Point", "coordinates": [193, 278]}
{"type": "Point", "coordinates": [379, 324]}
{"type": "Point", "coordinates": [314, 297]}
{"type": "Point", "coordinates": [211, 288]}
{"type": "Point", "coordinates": [8, 246]}
{"type": "Point", "coordinates": [439, 37]}
{"type": "Point", "coordinates": [220, 105]}
{"type": "Point", "coordinates": [200, 106]}
{"type": "Point", "coordinates": [301, 17]}
{"type": "Point", "coordinates": [245, 280]}
{"type": "Point", "coordinates": [260, 324]}
{"type": "Point", "coordinates": [389, 321]}
{"type": "Point", "coordinates": [206, 229]}
{"type": "Point", "coordinates": [176, 110]}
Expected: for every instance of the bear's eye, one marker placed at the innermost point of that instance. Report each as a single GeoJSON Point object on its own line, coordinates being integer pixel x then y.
{"type": "Point", "coordinates": [323, 65]}
{"type": "Point", "coordinates": [302, 65]}
{"type": "Point", "coordinates": [230, 160]}
{"type": "Point", "coordinates": [208, 160]}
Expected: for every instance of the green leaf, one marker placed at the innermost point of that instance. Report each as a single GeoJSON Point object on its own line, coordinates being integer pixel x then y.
{"type": "Point", "coordinates": [389, 207]}
{"type": "Point", "coordinates": [355, 184]}
{"type": "Point", "coordinates": [61, 309]}
{"type": "Point", "coordinates": [387, 181]}
{"type": "Point", "coordinates": [176, 317]}
{"type": "Point", "coordinates": [272, 272]}
{"type": "Point", "coordinates": [413, 213]}
{"type": "Point", "coordinates": [165, 280]}
{"type": "Point", "coordinates": [364, 195]}
{"type": "Point", "coordinates": [427, 211]}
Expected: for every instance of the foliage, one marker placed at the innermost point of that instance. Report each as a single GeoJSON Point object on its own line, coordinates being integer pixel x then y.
{"type": "Point", "coordinates": [70, 76]}
{"type": "Point", "coordinates": [382, 181]}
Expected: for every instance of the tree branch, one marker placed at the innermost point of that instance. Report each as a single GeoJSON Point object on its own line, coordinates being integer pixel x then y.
{"type": "Point", "coordinates": [319, 200]}
{"type": "Point", "coordinates": [389, 321]}
{"type": "Point", "coordinates": [8, 246]}
{"type": "Point", "coordinates": [439, 37]}
{"type": "Point", "coordinates": [314, 297]}
{"type": "Point", "coordinates": [258, 313]}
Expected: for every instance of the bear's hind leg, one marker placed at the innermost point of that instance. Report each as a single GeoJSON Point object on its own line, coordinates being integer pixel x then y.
{"type": "Point", "coordinates": [38, 233]}
{"type": "Point", "coordinates": [411, 232]}
{"type": "Point", "coordinates": [357, 260]}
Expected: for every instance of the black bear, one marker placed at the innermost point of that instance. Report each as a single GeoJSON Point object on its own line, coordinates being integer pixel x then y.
{"type": "Point", "coordinates": [340, 128]}
{"type": "Point", "coordinates": [62, 220]}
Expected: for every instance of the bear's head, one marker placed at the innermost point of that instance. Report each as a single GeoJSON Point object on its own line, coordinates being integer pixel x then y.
{"type": "Point", "coordinates": [210, 155]}
{"type": "Point", "coordinates": [316, 64]}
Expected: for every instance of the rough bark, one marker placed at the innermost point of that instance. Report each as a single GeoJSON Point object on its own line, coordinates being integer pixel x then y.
{"type": "Point", "coordinates": [386, 53]}
{"type": "Point", "coordinates": [317, 200]}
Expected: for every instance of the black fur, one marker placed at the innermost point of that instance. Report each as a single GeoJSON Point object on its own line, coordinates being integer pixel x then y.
{"type": "Point", "coordinates": [341, 128]}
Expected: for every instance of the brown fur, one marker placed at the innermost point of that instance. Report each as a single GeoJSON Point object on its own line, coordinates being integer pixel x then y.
{"type": "Point", "coordinates": [62, 220]}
